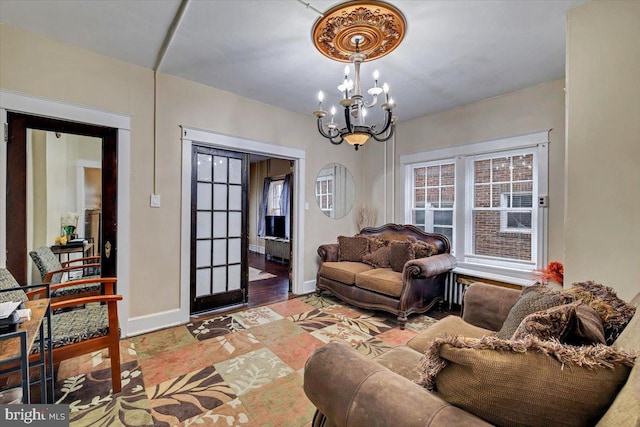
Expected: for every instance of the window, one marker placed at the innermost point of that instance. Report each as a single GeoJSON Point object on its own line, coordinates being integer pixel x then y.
{"type": "Point", "coordinates": [502, 206]}
{"type": "Point", "coordinates": [275, 193]}
{"type": "Point", "coordinates": [324, 193]}
{"type": "Point", "coordinates": [481, 196]}
{"type": "Point", "coordinates": [433, 197]}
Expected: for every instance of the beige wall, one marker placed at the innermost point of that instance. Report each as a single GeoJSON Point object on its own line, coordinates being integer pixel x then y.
{"type": "Point", "coordinates": [34, 65]}
{"type": "Point", "coordinates": [524, 111]}
{"type": "Point", "coordinates": [602, 229]}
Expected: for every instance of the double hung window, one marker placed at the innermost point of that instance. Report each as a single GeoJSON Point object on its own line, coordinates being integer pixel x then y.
{"type": "Point", "coordinates": [484, 198]}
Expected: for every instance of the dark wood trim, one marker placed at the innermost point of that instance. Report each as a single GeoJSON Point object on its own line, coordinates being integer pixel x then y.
{"type": "Point", "coordinates": [18, 123]}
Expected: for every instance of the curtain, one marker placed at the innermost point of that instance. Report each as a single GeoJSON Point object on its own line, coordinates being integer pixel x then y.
{"type": "Point", "coordinates": [285, 203]}
{"type": "Point", "coordinates": [264, 205]}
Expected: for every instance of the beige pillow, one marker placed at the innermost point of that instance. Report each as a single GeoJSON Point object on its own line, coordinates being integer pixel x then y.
{"type": "Point", "coordinates": [528, 382]}
{"type": "Point", "coordinates": [532, 299]}
{"type": "Point", "coordinates": [352, 248]}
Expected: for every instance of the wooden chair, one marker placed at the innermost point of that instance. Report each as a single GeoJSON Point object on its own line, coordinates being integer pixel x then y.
{"type": "Point", "coordinates": [80, 331]}
{"type": "Point", "coordinates": [52, 271]}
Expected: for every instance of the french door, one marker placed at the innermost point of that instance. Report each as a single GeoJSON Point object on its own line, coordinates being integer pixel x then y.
{"type": "Point", "coordinates": [219, 206]}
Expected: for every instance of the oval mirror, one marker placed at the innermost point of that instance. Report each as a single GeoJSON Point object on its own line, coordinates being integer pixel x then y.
{"type": "Point", "coordinates": [335, 190]}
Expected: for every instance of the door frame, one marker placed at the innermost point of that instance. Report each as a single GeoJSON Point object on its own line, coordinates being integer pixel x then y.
{"type": "Point", "coordinates": [37, 106]}
{"type": "Point", "coordinates": [190, 136]}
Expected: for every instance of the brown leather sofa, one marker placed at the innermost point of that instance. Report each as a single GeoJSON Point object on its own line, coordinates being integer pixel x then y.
{"type": "Point", "coordinates": [349, 389]}
{"type": "Point", "coordinates": [414, 290]}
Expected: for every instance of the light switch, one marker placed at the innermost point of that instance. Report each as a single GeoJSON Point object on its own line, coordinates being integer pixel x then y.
{"type": "Point", "coordinates": [155, 200]}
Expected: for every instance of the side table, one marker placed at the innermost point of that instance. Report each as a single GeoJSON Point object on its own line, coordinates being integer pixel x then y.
{"type": "Point", "coordinates": [15, 349]}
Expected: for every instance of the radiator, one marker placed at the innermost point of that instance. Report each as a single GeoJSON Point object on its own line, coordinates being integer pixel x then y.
{"type": "Point", "coordinates": [453, 291]}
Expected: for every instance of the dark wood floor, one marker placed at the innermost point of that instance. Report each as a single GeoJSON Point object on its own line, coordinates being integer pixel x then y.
{"type": "Point", "coordinates": [271, 290]}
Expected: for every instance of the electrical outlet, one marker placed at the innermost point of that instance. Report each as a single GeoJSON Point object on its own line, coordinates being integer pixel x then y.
{"type": "Point", "coordinates": [543, 201]}
{"type": "Point", "coordinates": [155, 200]}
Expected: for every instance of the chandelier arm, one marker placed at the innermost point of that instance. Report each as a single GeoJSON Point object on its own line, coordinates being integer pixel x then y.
{"type": "Point", "coordinates": [321, 130]}
{"type": "Point", "coordinates": [385, 138]}
{"type": "Point", "coordinates": [374, 101]}
{"type": "Point", "coordinates": [387, 123]}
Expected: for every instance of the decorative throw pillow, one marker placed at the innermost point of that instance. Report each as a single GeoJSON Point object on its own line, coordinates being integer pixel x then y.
{"type": "Point", "coordinates": [528, 382]}
{"type": "Point", "coordinates": [399, 254]}
{"type": "Point", "coordinates": [378, 258]}
{"type": "Point", "coordinates": [376, 243]}
{"type": "Point", "coordinates": [352, 248]}
{"type": "Point", "coordinates": [424, 249]}
{"type": "Point", "coordinates": [588, 327]}
{"type": "Point", "coordinates": [533, 298]}
{"type": "Point", "coordinates": [614, 312]}
{"type": "Point", "coordinates": [555, 322]}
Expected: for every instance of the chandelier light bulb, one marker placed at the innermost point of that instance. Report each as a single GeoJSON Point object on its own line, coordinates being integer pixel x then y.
{"type": "Point", "coordinates": [333, 111]}
{"type": "Point", "coordinates": [376, 75]}
{"type": "Point", "coordinates": [320, 96]}
{"type": "Point", "coordinates": [346, 71]}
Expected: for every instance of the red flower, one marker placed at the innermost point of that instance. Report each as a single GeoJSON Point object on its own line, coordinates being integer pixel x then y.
{"type": "Point", "coordinates": [554, 271]}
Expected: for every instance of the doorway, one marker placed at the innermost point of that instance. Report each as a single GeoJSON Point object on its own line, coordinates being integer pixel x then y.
{"type": "Point", "coordinates": [20, 128]}
{"type": "Point", "coordinates": [271, 210]}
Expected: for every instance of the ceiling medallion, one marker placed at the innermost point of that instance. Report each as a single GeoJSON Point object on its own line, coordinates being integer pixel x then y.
{"type": "Point", "coordinates": [355, 32]}
{"type": "Point", "coordinates": [381, 26]}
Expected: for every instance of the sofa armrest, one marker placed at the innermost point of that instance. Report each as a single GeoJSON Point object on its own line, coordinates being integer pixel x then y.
{"type": "Point", "coordinates": [328, 252]}
{"type": "Point", "coordinates": [431, 266]}
{"type": "Point", "coordinates": [487, 306]}
{"type": "Point", "coordinates": [352, 390]}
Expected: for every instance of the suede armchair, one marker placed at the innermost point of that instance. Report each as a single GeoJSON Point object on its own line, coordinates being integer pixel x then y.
{"type": "Point", "coordinates": [349, 389]}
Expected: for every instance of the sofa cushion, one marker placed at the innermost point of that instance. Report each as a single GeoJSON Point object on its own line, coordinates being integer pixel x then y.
{"type": "Point", "coordinates": [532, 299]}
{"type": "Point", "coordinates": [403, 361]}
{"type": "Point", "coordinates": [380, 280]}
{"type": "Point", "coordinates": [528, 382]}
{"type": "Point", "coordinates": [629, 339]}
{"type": "Point", "coordinates": [352, 248]}
{"type": "Point", "coordinates": [343, 272]}
{"type": "Point", "coordinates": [450, 325]}
{"type": "Point", "coordinates": [399, 254]}
{"type": "Point", "coordinates": [376, 243]}
{"type": "Point", "coordinates": [378, 258]}
{"type": "Point", "coordinates": [625, 410]}
{"type": "Point", "coordinates": [614, 312]}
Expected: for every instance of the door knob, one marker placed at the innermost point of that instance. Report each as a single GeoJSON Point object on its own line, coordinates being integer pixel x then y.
{"type": "Point", "coordinates": [107, 249]}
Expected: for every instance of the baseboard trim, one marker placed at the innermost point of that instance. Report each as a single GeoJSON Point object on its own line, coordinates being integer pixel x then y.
{"type": "Point", "coordinates": [256, 248]}
{"type": "Point", "coordinates": [153, 322]}
{"type": "Point", "coordinates": [308, 287]}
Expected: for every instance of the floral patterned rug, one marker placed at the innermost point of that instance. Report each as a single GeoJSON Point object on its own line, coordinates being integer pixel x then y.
{"type": "Point", "coordinates": [239, 369]}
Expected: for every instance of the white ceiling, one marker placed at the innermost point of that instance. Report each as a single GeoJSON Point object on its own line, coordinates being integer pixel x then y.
{"type": "Point", "coordinates": [454, 52]}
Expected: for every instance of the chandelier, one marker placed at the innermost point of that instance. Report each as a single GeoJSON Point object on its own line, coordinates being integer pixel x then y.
{"type": "Point", "coordinates": [356, 32]}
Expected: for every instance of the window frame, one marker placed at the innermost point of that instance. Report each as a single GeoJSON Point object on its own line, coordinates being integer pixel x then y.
{"type": "Point", "coordinates": [273, 202]}
{"type": "Point", "coordinates": [537, 142]}
{"type": "Point", "coordinates": [319, 194]}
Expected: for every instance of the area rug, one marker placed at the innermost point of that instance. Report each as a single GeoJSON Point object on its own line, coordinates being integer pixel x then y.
{"type": "Point", "coordinates": [255, 274]}
{"type": "Point", "coordinates": [238, 369]}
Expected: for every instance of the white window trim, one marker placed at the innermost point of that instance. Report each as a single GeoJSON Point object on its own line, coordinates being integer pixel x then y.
{"type": "Point", "coordinates": [460, 153]}
{"type": "Point", "coordinates": [504, 214]}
